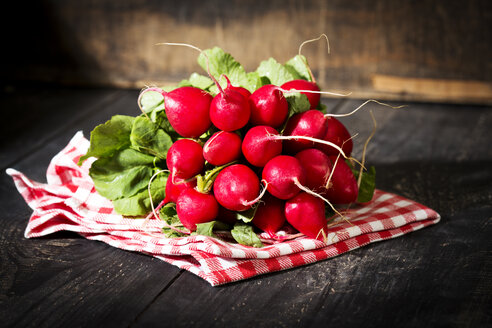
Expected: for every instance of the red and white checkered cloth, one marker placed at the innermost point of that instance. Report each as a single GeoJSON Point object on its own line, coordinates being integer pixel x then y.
{"type": "Point", "coordinates": [68, 201]}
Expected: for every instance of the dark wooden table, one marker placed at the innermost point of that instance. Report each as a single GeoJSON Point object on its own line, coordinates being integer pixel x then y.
{"type": "Point", "coordinates": [441, 276]}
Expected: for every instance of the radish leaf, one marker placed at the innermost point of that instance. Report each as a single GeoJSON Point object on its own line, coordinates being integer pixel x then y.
{"type": "Point", "coordinates": [200, 81]}
{"type": "Point", "coordinates": [247, 216]}
{"type": "Point", "coordinates": [122, 175]}
{"type": "Point", "coordinates": [297, 66]}
{"type": "Point", "coordinates": [152, 101]}
{"type": "Point", "coordinates": [220, 62]}
{"type": "Point", "coordinates": [108, 138]}
{"type": "Point", "coordinates": [298, 103]}
{"type": "Point", "coordinates": [205, 229]}
{"type": "Point", "coordinates": [245, 235]}
{"type": "Point", "coordinates": [148, 138]}
{"type": "Point", "coordinates": [139, 204]}
{"type": "Point", "coordinates": [367, 184]}
{"type": "Point", "coordinates": [276, 72]}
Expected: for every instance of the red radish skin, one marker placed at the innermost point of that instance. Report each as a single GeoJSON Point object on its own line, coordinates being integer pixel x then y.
{"type": "Point", "coordinates": [187, 109]}
{"type": "Point", "coordinates": [282, 174]}
{"type": "Point", "coordinates": [222, 148]}
{"type": "Point", "coordinates": [258, 147]}
{"type": "Point", "coordinates": [311, 123]}
{"type": "Point", "coordinates": [343, 187]}
{"type": "Point", "coordinates": [313, 98]}
{"type": "Point", "coordinates": [338, 134]}
{"type": "Point", "coordinates": [185, 159]}
{"type": "Point", "coordinates": [230, 110]}
{"type": "Point", "coordinates": [195, 207]}
{"type": "Point", "coordinates": [270, 216]}
{"type": "Point", "coordinates": [268, 106]}
{"type": "Point", "coordinates": [245, 92]}
{"type": "Point", "coordinates": [235, 186]}
{"type": "Point", "coordinates": [306, 213]}
{"type": "Point", "coordinates": [317, 166]}
{"type": "Point", "coordinates": [174, 189]}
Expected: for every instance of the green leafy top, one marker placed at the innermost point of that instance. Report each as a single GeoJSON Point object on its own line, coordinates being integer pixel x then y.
{"type": "Point", "coordinates": [130, 151]}
{"type": "Point", "coordinates": [367, 183]}
{"type": "Point", "coordinates": [106, 139]}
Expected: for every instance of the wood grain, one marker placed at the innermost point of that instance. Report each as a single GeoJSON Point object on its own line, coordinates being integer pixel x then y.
{"type": "Point", "coordinates": [434, 89]}
{"type": "Point", "coordinates": [436, 154]}
{"type": "Point", "coordinates": [63, 279]}
{"type": "Point", "coordinates": [112, 43]}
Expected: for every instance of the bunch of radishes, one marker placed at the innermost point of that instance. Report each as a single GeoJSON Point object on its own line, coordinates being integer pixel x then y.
{"type": "Point", "coordinates": [288, 176]}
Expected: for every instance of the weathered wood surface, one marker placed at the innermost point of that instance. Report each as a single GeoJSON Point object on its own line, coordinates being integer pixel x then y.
{"type": "Point", "coordinates": [440, 276]}
{"type": "Point", "coordinates": [383, 48]}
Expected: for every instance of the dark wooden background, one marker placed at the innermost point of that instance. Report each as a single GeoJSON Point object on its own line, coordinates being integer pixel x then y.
{"type": "Point", "coordinates": [71, 65]}
{"type": "Point", "coordinates": [415, 50]}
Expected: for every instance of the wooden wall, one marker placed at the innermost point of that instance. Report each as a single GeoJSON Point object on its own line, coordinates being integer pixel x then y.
{"type": "Point", "coordinates": [424, 50]}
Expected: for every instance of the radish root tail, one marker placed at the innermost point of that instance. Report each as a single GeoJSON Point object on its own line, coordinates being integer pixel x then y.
{"type": "Point", "coordinates": [139, 99]}
{"type": "Point", "coordinates": [150, 197]}
{"type": "Point", "coordinates": [375, 125]}
{"type": "Point", "coordinates": [305, 61]}
{"type": "Point", "coordinates": [257, 199]}
{"type": "Point", "coordinates": [309, 191]}
{"type": "Point", "coordinates": [365, 103]}
{"type": "Point", "coordinates": [201, 51]}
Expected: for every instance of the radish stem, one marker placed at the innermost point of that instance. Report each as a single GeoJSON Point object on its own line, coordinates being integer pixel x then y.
{"type": "Point", "coordinates": [365, 148]}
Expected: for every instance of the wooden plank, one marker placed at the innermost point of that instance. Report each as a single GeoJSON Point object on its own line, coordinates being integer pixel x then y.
{"type": "Point", "coordinates": [31, 120]}
{"type": "Point", "coordinates": [63, 279]}
{"type": "Point", "coordinates": [420, 132]}
{"type": "Point", "coordinates": [114, 44]}
{"type": "Point", "coordinates": [434, 89]}
{"type": "Point", "coordinates": [436, 276]}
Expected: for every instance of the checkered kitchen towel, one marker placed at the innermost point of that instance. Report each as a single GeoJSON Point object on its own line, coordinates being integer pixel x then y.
{"type": "Point", "coordinates": [68, 201]}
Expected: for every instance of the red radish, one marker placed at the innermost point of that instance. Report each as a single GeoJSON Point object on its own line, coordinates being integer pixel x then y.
{"type": "Point", "coordinates": [270, 216]}
{"type": "Point", "coordinates": [311, 123]}
{"type": "Point", "coordinates": [237, 187]}
{"type": "Point", "coordinates": [245, 92]}
{"type": "Point", "coordinates": [195, 207]}
{"type": "Point", "coordinates": [342, 188]}
{"type": "Point", "coordinates": [258, 147]}
{"type": "Point", "coordinates": [176, 187]}
{"type": "Point", "coordinates": [185, 159]}
{"type": "Point", "coordinates": [338, 134]}
{"type": "Point", "coordinates": [222, 148]}
{"type": "Point", "coordinates": [317, 166]}
{"type": "Point", "coordinates": [187, 109]}
{"type": "Point", "coordinates": [268, 106]}
{"type": "Point", "coordinates": [306, 213]}
{"type": "Point", "coordinates": [229, 110]}
{"type": "Point", "coordinates": [305, 85]}
{"type": "Point", "coordinates": [283, 174]}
